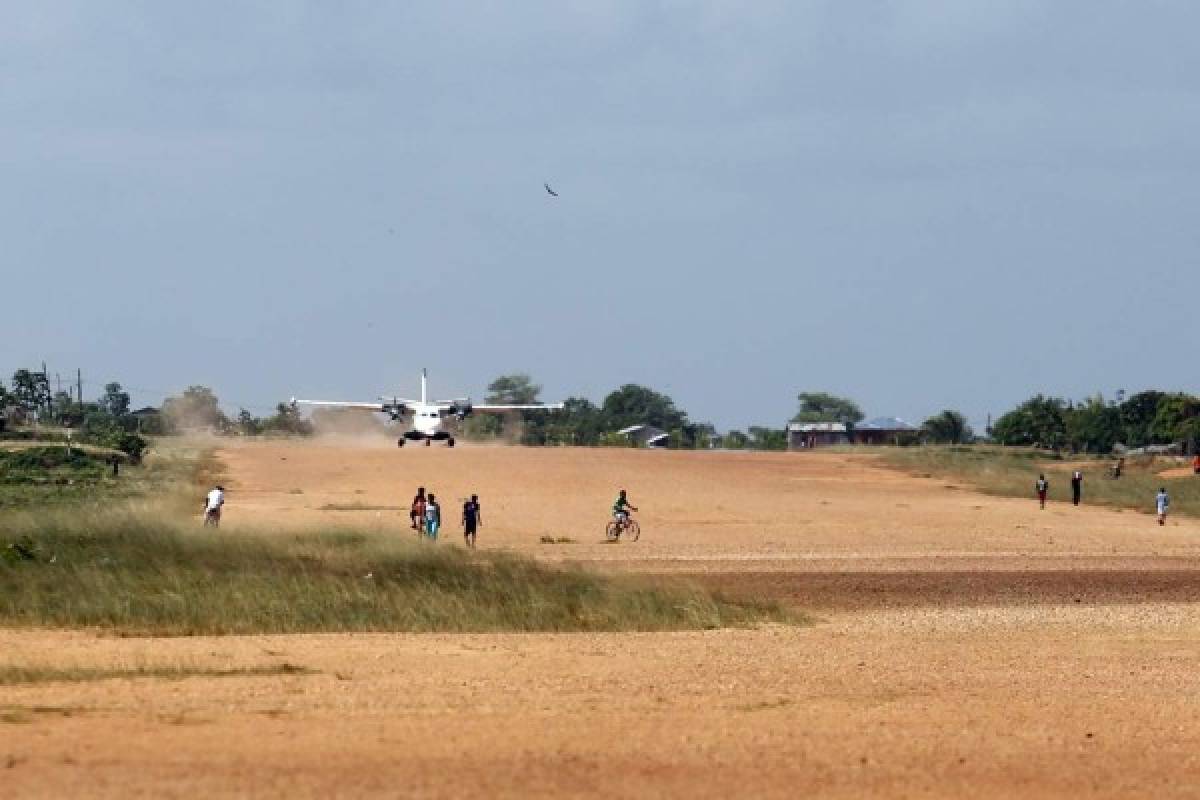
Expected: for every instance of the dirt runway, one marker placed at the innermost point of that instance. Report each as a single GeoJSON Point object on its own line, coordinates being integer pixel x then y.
{"type": "Point", "coordinates": [964, 645]}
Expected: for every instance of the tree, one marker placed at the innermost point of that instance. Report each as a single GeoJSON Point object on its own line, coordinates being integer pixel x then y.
{"type": "Point", "coordinates": [1038, 422]}
{"type": "Point", "coordinates": [517, 389]}
{"type": "Point", "coordinates": [1093, 425]}
{"type": "Point", "coordinates": [1137, 417]}
{"type": "Point", "coordinates": [948, 427]}
{"type": "Point", "coordinates": [1173, 412]}
{"type": "Point", "coordinates": [287, 419]}
{"type": "Point", "coordinates": [1189, 433]}
{"type": "Point", "coordinates": [579, 423]}
{"type": "Point", "coordinates": [767, 438]}
{"type": "Point", "coordinates": [638, 405]}
{"type": "Point", "coordinates": [66, 410]}
{"type": "Point", "coordinates": [247, 424]}
{"type": "Point", "coordinates": [114, 401]}
{"type": "Point", "coordinates": [734, 440]}
{"type": "Point", "coordinates": [31, 390]}
{"type": "Point", "coordinates": [197, 407]}
{"type": "Point", "coordinates": [705, 435]}
{"type": "Point", "coordinates": [825, 407]}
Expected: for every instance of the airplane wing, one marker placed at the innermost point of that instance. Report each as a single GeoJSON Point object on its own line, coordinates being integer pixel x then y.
{"type": "Point", "coordinates": [532, 407]}
{"type": "Point", "coordinates": [339, 404]}
{"type": "Point", "coordinates": [381, 408]}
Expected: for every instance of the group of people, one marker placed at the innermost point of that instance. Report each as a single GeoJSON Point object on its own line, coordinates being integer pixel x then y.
{"type": "Point", "coordinates": [425, 514]}
{"type": "Point", "coordinates": [1162, 501]}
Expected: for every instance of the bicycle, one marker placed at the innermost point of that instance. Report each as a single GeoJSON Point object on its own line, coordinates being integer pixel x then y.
{"type": "Point", "coordinates": [617, 527]}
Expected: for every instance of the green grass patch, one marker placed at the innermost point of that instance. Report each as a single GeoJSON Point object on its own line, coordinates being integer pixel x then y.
{"type": "Point", "coordinates": [1011, 472]}
{"type": "Point", "coordinates": [42, 477]}
{"type": "Point", "coordinates": [29, 675]}
{"type": "Point", "coordinates": [49, 464]}
{"type": "Point", "coordinates": [134, 574]}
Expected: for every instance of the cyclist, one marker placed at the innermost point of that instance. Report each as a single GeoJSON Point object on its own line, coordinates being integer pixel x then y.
{"type": "Point", "coordinates": [621, 509]}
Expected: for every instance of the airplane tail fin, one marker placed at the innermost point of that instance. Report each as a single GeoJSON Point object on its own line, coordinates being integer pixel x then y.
{"type": "Point", "coordinates": [424, 394]}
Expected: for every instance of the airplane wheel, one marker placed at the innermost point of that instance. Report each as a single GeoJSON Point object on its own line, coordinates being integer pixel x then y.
{"type": "Point", "coordinates": [399, 443]}
{"type": "Point", "coordinates": [450, 442]}
{"type": "Point", "coordinates": [428, 442]}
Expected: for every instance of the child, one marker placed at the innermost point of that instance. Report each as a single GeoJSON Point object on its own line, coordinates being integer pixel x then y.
{"type": "Point", "coordinates": [417, 513]}
{"type": "Point", "coordinates": [433, 517]}
{"type": "Point", "coordinates": [472, 518]}
{"type": "Point", "coordinates": [1162, 502]}
{"type": "Point", "coordinates": [1042, 487]}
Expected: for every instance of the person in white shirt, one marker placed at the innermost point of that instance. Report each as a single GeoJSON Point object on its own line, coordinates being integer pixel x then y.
{"type": "Point", "coordinates": [1161, 503]}
{"type": "Point", "coordinates": [212, 506]}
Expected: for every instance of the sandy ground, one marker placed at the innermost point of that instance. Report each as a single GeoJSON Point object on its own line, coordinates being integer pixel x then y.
{"type": "Point", "coordinates": [964, 644]}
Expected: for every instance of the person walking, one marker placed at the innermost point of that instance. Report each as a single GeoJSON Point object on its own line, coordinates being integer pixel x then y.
{"type": "Point", "coordinates": [1161, 503]}
{"type": "Point", "coordinates": [472, 518]}
{"type": "Point", "coordinates": [1042, 486]}
{"type": "Point", "coordinates": [433, 517]}
{"type": "Point", "coordinates": [213, 503]}
{"type": "Point", "coordinates": [416, 513]}
{"type": "Point", "coordinates": [1076, 486]}
{"type": "Point", "coordinates": [1196, 464]}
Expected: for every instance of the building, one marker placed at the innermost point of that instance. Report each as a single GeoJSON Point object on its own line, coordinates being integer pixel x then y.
{"type": "Point", "coordinates": [645, 435]}
{"type": "Point", "coordinates": [807, 435]}
{"type": "Point", "coordinates": [884, 430]}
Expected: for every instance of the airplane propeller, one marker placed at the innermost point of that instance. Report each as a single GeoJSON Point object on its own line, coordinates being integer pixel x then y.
{"type": "Point", "coordinates": [460, 408]}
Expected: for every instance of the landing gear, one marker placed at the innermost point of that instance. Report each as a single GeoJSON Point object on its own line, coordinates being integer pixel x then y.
{"type": "Point", "coordinates": [450, 442]}
{"type": "Point", "coordinates": [428, 442]}
{"type": "Point", "coordinates": [400, 442]}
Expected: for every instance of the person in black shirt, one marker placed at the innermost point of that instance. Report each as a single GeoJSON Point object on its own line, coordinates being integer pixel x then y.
{"type": "Point", "coordinates": [472, 518]}
{"type": "Point", "coordinates": [1076, 486]}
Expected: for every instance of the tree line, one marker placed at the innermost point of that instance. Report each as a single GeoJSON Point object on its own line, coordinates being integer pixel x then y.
{"type": "Point", "coordinates": [1092, 425]}
{"type": "Point", "coordinates": [105, 422]}
{"type": "Point", "coordinates": [108, 421]}
{"type": "Point", "coordinates": [1095, 425]}
{"type": "Point", "coordinates": [582, 422]}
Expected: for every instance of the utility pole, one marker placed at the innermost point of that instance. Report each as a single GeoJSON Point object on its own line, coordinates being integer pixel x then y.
{"type": "Point", "coordinates": [79, 386]}
{"type": "Point", "coordinates": [46, 404]}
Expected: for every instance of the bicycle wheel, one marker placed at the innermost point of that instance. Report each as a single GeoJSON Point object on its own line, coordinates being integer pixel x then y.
{"type": "Point", "coordinates": [633, 530]}
{"type": "Point", "coordinates": [612, 531]}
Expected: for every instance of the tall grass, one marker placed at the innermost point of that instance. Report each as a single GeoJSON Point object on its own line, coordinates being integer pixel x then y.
{"type": "Point", "coordinates": [1011, 472]}
{"type": "Point", "coordinates": [133, 573]}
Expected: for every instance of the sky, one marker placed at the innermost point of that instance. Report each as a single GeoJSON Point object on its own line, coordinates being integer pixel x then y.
{"type": "Point", "coordinates": [919, 205]}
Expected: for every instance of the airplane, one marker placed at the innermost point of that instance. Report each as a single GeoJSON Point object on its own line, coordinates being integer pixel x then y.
{"type": "Point", "coordinates": [427, 415]}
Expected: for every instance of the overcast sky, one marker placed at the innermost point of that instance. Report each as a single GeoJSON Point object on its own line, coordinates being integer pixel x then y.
{"type": "Point", "coordinates": [917, 204]}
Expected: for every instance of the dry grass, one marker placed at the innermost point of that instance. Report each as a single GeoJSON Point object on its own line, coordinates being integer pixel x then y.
{"type": "Point", "coordinates": [25, 675]}
{"type": "Point", "coordinates": [1011, 472]}
{"type": "Point", "coordinates": [134, 573]}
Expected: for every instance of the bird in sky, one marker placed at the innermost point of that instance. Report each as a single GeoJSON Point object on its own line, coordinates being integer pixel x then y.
{"type": "Point", "coordinates": [551, 191]}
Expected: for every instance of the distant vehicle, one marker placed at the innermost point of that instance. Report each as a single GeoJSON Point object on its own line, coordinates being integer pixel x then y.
{"type": "Point", "coordinates": [427, 415]}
